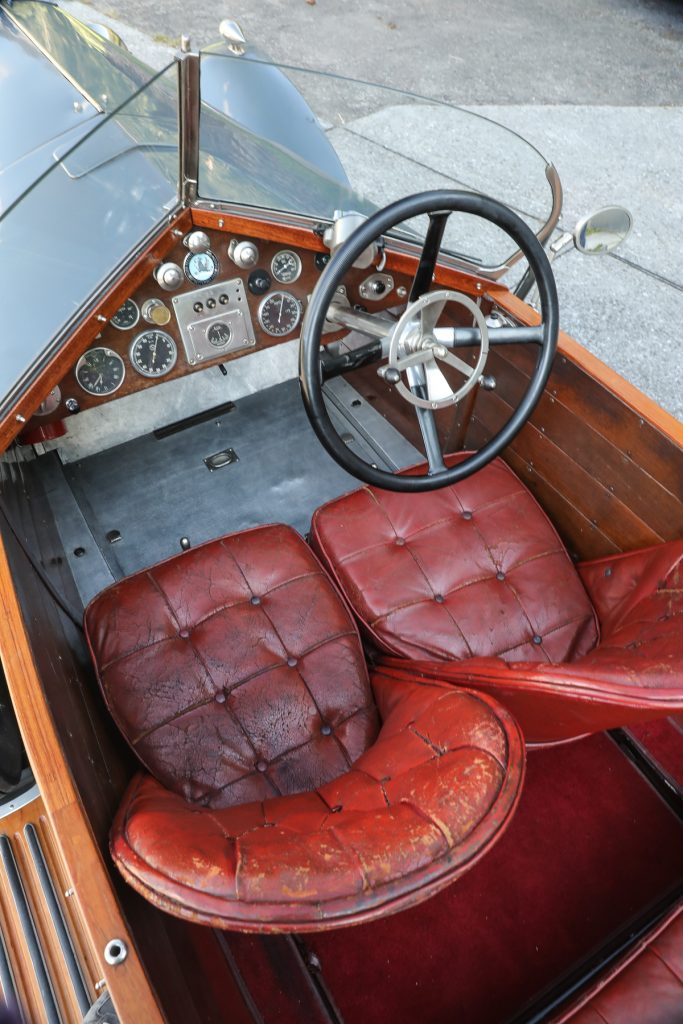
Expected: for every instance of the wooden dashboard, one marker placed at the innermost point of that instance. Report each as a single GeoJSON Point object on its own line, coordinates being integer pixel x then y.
{"type": "Point", "coordinates": [140, 286]}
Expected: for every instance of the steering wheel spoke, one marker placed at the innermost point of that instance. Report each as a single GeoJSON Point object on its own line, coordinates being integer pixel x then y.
{"type": "Point", "coordinates": [429, 316]}
{"type": "Point", "coordinates": [416, 349]}
{"type": "Point", "coordinates": [430, 254]}
{"type": "Point", "coordinates": [458, 364]}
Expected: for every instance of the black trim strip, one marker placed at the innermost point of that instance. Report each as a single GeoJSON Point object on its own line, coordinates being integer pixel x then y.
{"type": "Point", "coordinates": [29, 929]}
{"type": "Point", "coordinates": [59, 924]}
{"type": "Point", "coordinates": [648, 766]}
{"type": "Point", "coordinates": [562, 993]}
{"type": "Point", "coordinates": [192, 421]}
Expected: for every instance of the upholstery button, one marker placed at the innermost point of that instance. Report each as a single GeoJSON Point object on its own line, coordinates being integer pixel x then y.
{"type": "Point", "coordinates": [537, 639]}
{"type": "Point", "coordinates": [609, 571]}
{"type": "Point", "coordinates": [261, 766]}
{"type": "Point", "coordinates": [326, 729]}
{"type": "Point", "coordinates": [220, 697]}
{"type": "Point", "coordinates": [438, 598]}
{"type": "Point", "coordinates": [500, 576]}
{"type": "Point", "coordinates": [467, 515]}
{"type": "Point", "coordinates": [292, 662]}
{"type": "Point", "coordinates": [255, 600]}
{"type": "Point", "coordinates": [400, 541]}
{"type": "Point", "coordinates": [184, 634]}
{"type": "Point", "coordinates": [336, 809]}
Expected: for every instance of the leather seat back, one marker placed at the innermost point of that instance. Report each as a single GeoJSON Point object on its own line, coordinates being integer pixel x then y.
{"type": "Point", "coordinates": [243, 678]}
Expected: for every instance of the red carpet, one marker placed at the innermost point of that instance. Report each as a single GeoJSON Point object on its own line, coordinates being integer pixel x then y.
{"type": "Point", "coordinates": [663, 741]}
{"type": "Point", "coordinates": [590, 846]}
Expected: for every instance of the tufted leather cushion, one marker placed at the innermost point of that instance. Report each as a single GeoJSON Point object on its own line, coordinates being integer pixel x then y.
{"type": "Point", "coordinates": [234, 670]}
{"type": "Point", "coordinates": [472, 570]}
{"type": "Point", "coordinates": [505, 579]}
{"type": "Point", "coordinates": [410, 815]}
{"type": "Point", "coordinates": [634, 674]}
{"type": "Point", "coordinates": [289, 790]}
{"type": "Point", "coordinates": [646, 988]}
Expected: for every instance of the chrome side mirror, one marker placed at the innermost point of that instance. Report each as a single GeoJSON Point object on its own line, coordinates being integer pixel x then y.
{"type": "Point", "coordinates": [603, 230]}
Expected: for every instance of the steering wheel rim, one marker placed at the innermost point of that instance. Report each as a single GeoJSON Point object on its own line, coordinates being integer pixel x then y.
{"type": "Point", "coordinates": [436, 202]}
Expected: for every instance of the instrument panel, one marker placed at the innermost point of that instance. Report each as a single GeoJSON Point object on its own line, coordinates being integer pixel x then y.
{"type": "Point", "coordinates": [212, 295]}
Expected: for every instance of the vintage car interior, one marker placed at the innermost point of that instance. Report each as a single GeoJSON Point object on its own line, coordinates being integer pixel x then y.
{"type": "Point", "coordinates": [341, 600]}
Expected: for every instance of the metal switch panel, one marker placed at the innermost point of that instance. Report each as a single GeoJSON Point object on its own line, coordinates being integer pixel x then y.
{"type": "Point", "coordinates": [214, 320]}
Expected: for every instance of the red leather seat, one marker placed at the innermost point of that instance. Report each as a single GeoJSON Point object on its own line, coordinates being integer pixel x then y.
{"type": "Point", "coordinates": [472, 584]}
{"type": "Point", "coordinates": [283, 788]}
{"type": "Point", "coordinates": [644, 988]}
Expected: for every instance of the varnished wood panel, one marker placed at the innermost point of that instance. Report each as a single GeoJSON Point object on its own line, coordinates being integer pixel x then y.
{"type": "Point", "coordinates": [12, 826]}
{"type": "Point", "coordinates": [611, 479]}
{"type": "Point", "coordinates": [100, 910]}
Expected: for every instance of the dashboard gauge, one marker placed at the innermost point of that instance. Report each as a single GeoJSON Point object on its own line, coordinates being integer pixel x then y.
{"type": "Point", "coordinates": [100, 371]}
{"type": "Point", "coordinates": [200, 267]}
{"type": "Point", "coordinates": [126, 317]}
{"type": "Point", "coordinates": [286, 266]}
{"type": "Point", "coordinates": [279, 313]}
{"type": "Point", "coordinates": [153, 353]}
{"type": "Point", "coordinates": [219, 334]}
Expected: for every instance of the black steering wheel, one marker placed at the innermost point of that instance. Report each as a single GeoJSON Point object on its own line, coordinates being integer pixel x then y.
{"type": "Point", "coordinates": [415, 344]}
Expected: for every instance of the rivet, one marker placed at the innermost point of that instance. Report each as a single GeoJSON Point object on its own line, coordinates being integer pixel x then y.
{"type": "Point", "coordinates": [537, 639]}
{"type": "Point", "coordinates": [261, 766]}
{"type": "Point", "coordinates": [255, 600]}
{"type": "Point", "coordinates": [115, 952]}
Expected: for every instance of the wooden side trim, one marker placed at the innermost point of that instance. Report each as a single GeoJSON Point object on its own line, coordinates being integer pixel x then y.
{"type": "Point", "coordinates": [585, 360]}
{"type": "Point", "coordinates": [99, 907]}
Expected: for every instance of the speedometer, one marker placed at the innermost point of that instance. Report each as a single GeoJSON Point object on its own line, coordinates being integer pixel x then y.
{"type": "Point", "coordinates": [279, 313]}
{"type": "Point", "coordinates": [286, 266]}
{"type": "Point", "coordinates": [153, 353]}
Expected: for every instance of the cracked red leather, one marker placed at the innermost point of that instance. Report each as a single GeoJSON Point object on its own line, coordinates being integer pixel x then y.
{"type": "Point", "coordinates": [234, 670]}
{"type": "Point", "coordinates": [308, 796]}
{"type": "Point", "coordinates": [502, 609]}
{"type": "Point", "coordinates": [644, 988]}
{"type": "Point", "coordinates": [417, 809]}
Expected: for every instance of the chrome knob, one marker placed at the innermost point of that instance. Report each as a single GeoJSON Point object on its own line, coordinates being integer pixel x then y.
{"type": "Point", "coordinates": [197, 241]}
{"type": "Point", "coordinates": [154, 311]}
{"type": "Point", "coordinates": [168, 276]}
{"type": "Point", "coordinates": [244, 254]}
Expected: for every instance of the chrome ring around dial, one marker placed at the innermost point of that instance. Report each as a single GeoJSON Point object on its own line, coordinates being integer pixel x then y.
{"type": "Point", "coordinates": [279, 313]}
{"type": "Point", "coordinates": [100, 371]}
{"type": "Point", "coordinates": [285, 266]}
{"type": "Point", "coordinates": [153, 353]}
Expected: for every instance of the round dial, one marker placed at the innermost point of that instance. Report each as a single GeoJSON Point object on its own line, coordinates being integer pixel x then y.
{"type": "Point", "coordinates": [153, 353]}
{"type": "Point", "coordinates": [100, 371]}
{"type": "Point", "coordinates": [219, 334]}
{"type": "Point", "coordinates": [286, 266]}
{"type": "Point", "coordinates": [126, 317]}
{"type": "Point", "coordinates": [279, 313]}
{"type": "Point", "coordinates": [200, 267]}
